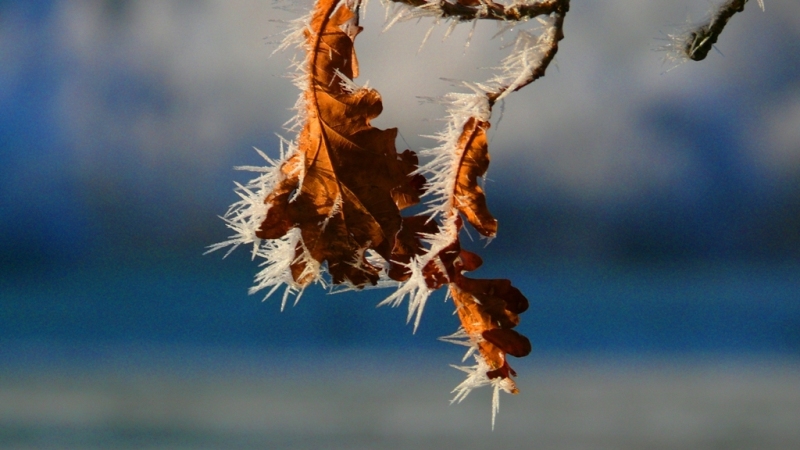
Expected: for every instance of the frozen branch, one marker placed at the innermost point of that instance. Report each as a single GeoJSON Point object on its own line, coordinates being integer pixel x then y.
{"type": "Point", "coordinates": [532, 57]}
{"type": "Point", "coordinates": [469, 10]}
{"type": "Point", "coordinates": [696, 43]}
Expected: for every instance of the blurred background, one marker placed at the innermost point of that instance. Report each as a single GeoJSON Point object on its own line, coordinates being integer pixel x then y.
{"type": "Point", "coordinates": [651, 216]}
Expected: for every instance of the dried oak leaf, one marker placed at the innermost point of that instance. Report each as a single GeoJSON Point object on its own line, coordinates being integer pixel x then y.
{"type": "Point", "coordinates": [346, 185]}
{"type": "Point", "coordinates": [488, 309]}
{"type": "Point", "coordinates": [408, 244]}
{"type": "Point", "coordinates": [468, 196]}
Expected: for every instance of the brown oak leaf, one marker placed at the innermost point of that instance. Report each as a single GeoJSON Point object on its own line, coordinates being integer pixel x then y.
{"type": "Point", "coordinates": [468, 196]}
{"type": "Point", "coordinates": [490, 308]}
{"type": "Point", "coordinates": [408, 244]}
{"type": "Point", "coordinates": [345, 187]}
{"type": "Point", "coordinates": [487, 308]}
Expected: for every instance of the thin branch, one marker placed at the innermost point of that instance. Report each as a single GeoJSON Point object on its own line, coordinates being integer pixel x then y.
{"type": "Point", "coordinates": [534, 72]}
{"type": "Point", "coordinates": [468, 10]}
{"type": "Point", "coordinates": [699, 42]}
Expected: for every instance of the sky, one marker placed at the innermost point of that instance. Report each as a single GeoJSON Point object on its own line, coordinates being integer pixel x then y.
{"type": "Point", "coordinates": [121, 122]}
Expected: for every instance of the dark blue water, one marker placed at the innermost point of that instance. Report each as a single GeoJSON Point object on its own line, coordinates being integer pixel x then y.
{"type": "Point", "coordinates": [194, 300]}
{"type": "Point", "coordinates": [163, 350]}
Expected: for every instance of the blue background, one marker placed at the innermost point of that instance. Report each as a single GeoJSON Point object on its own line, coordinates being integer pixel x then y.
{"type": "Point", "coordinates": [112, 255]}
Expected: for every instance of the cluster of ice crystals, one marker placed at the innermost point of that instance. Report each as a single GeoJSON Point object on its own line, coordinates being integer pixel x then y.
{"type": "Point", "coordinates": [400, 12]}
{"type": "Point", "coordinates": [246, 215]}
{"type": "Point", "coordinates": [416, 288]}
{"type": "Point", "coordinates": [526, 56]}
{"type": "Point", "coordinates": [460, 337]}
{"type": "Point", "coordinates": [476, 378]}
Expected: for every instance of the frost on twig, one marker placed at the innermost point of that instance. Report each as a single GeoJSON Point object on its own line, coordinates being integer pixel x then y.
{"type": "Point", "coordinates": [696, 41]}
{"type": "Point", "coordinates": [470, 10]}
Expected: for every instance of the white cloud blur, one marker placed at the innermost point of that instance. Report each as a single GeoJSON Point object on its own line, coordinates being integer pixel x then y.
{"type": "Point", "coordinates": [190, 83]}
{"type": "Point", "coordinates": [194, 78]}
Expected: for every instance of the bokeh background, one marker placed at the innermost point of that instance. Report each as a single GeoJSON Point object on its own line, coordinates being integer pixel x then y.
{"type": "Point", "coordinates": [650, 213]}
